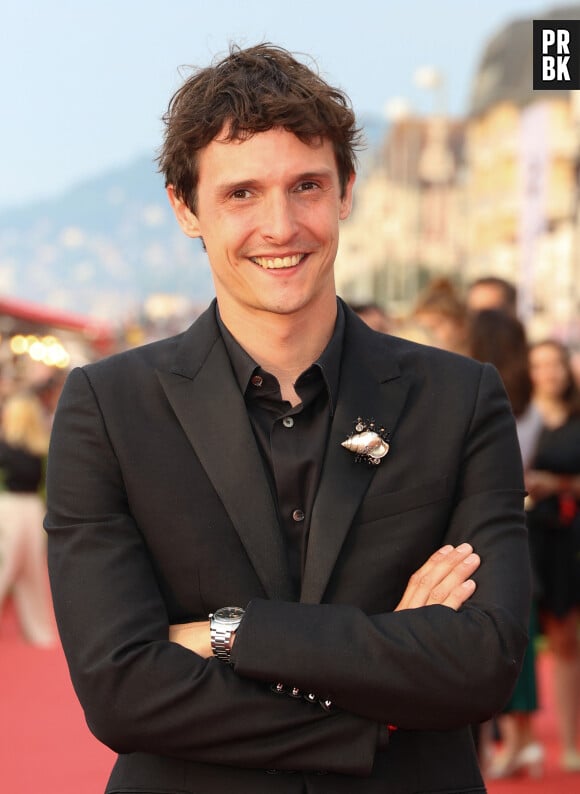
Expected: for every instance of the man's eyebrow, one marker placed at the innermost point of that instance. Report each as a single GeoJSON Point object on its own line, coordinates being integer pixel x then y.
{"type": "Point", "coordinates": [228, 187]}
{"type": "Point", "coordinates": [236, 184]}
{"type": "Point", "coordinates": [323, 173]}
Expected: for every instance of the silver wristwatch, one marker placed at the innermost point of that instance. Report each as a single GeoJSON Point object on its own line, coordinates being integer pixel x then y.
{"type": "Point", "coordinates": [222, 624]}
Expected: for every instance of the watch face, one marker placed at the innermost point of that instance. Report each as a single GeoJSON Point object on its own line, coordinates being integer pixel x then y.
{"type": "Point", "coordinates": [228, 614]}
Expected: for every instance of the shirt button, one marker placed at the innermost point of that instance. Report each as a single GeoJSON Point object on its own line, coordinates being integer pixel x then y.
{"type": "Point", "coordinates": [256, 380]}
{"type": "Point", "coordinates": [288, 421]}
{"type": "Point", "coordinates": [298, 515]}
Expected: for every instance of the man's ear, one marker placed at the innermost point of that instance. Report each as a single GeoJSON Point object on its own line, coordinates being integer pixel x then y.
{"type": "Point", "coordinates": [346, 200]}
{"type": "Point", "coordinates": [185, 217]}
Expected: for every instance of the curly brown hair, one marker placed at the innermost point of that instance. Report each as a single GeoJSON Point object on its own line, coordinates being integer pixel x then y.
{"type": "Point", "coordinates": [253, 90]}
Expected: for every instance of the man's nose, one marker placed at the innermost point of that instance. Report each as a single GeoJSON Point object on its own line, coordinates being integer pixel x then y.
{"type": "Point", "coordinates": [279, 219]}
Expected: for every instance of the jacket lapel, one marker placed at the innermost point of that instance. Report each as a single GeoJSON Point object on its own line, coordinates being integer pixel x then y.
{"type": "Point", "coordinates": [207, 401]}
{"type": "Point", "coordinates": [372, 387]}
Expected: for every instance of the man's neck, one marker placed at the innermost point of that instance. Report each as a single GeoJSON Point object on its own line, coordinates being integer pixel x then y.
{"type": "Point", "coordinates": [283, 344]}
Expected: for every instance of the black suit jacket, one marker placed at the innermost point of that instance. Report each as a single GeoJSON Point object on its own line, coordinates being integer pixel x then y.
{"type": "Point", "coordinates": [159, 511]}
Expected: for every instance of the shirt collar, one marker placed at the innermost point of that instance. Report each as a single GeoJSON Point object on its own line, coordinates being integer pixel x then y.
{"type": "Point", "coordinates": [328, 362]}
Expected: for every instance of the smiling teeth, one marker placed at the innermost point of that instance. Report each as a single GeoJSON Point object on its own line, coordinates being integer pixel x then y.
{"type": "Point", "coordinates": [276, 263]}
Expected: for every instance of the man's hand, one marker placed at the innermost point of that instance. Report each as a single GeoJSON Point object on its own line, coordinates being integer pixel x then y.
{"type": "Point", "coordinates": [193, 636]}
{"type": "Point", "coordinates": [444, 579]}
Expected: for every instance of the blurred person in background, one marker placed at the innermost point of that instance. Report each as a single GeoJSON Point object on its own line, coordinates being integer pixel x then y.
{"type": "Point", "coordinates": [408, 328]}
{"type": "Point", "coordinates": [48, 392]}
{"type": "Point", "coordinates": [553, 483]}
{"type": "Point", "coordinates": [373, 315]}
{"type": "Point", "coordinates": [442, 313]}
{"type": "Point", "coordinates": [499, 338]}
{"type": "Point", "coordinates": [23, 573]}
{"type": "Point", "coordinates": [492, 292]}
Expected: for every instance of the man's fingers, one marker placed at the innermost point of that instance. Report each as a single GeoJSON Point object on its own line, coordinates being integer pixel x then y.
{"type": "Point", "coordinates": [460, 594]}
{"type": "Point", "coordinates": [443, 563]}
{"type": "Point", "coordinates": [464, 568]}
{"type": "Point", "coordinates": [440, 579]}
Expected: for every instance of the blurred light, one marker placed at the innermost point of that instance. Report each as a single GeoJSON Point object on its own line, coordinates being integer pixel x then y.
{"type": "Point", "coordinates": [47, 350]}
{"type": "Point", "coordinates": [36, 351]}
{"type": "Point", "coordinates": [18, 345]}
{"type": "Point", "coordinates": [55, 355]}
{"type": "Point", "coordinates": [64, 362]}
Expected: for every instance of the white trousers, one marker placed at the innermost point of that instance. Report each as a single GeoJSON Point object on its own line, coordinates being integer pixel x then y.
{"type": "Point", "coordinates": [23, 569]}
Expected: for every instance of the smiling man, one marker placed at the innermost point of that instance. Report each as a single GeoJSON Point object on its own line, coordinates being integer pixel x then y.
{"type": "Point", "coordinates": [287, 552]}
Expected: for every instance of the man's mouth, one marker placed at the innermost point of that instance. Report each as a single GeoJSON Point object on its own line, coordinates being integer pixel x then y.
{"type": "Point", "coordinates": [277, 262]}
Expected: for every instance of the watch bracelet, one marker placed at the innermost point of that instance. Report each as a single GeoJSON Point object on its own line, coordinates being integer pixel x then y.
{"type": "Point", "coordinates": [220, 643]}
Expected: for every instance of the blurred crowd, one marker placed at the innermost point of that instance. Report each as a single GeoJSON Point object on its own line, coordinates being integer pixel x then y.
{"type": "Point", "coordinates": [542, 381]}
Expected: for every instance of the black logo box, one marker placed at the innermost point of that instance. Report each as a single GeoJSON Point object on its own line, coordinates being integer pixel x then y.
{"type": "Point", "coordinates": [565, 64]}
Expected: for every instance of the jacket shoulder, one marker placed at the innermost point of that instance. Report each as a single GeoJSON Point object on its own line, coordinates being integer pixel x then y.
{"type": "Point", "coordinates": [184, 352]}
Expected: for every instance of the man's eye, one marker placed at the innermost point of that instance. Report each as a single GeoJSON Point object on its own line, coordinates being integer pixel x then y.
{"type": "Point", "coordinates": [305, 186]}
{"type": "Point", "coordinates": [241, 193]}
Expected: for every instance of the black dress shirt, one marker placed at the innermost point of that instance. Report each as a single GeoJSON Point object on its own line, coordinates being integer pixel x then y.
{"type": "Point", "coordinates": [292, 440]}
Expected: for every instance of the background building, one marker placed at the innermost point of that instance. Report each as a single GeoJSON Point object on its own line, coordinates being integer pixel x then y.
{"type": "Point", "coordinates": [493, 194]}
{"type": "Point", "coordinates": [523, 150]}
{"type": "Point", "coordinates": [407, 222]}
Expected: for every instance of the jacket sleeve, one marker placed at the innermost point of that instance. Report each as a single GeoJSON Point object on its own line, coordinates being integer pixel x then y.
{"type": "Point", "coordinates": [432, 667]}
{"type": "Point", "coordinates": [139, 691]}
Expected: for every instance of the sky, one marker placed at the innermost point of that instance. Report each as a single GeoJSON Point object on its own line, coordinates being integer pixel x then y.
{"type": "Point", "coordinates": [84, 83]}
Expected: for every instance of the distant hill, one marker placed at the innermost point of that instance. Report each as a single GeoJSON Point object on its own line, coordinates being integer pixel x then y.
{"type": "Point", "coordinates": [102, 247]}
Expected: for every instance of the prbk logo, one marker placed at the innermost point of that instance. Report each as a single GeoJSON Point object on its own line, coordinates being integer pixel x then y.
{"type": "Point", "coordinates": [556, 54]}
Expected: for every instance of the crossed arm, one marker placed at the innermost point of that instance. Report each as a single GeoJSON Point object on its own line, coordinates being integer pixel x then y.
{"type": "Point", "coordinates": [444, 579]}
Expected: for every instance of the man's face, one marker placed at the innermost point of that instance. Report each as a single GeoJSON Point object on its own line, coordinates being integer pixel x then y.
{"type": "Point", "coordinates": [268, 211]}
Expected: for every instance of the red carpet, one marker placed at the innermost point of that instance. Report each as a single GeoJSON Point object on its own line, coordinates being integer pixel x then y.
{"type": "Point", "coordinates": [554, 781]}
{"type": "Point", "coordinates": [45, 746]}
